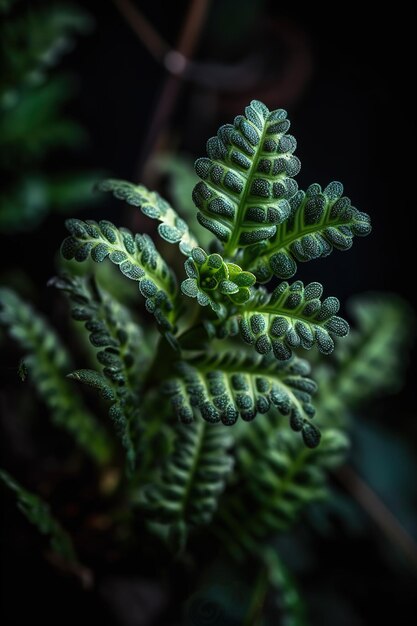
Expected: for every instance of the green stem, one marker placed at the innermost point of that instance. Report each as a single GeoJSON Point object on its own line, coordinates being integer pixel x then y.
{"type": "Point", "coordinates": [254, 614]}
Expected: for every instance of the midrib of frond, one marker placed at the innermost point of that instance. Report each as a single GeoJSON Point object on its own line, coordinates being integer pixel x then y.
{"type": "Point", "coordinates": [230, 246]}
{"type": "Point", "coordinates": [298, 233]}
{"type": "Point", "coordinates": [185, 500]}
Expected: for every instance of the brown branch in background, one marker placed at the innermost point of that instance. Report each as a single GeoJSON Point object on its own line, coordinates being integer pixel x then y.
{"type": "Point", "coordinates": [378, 512]}
{"type": "Point", "coordinates": [186, 44]}
{"type": "Point", "coordinates": [175, 61]}
{"type": "Point", "coordinates": [149, 36]}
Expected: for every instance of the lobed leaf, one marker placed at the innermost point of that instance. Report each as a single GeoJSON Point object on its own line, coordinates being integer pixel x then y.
{"type": "Point", "coordinates": [226, 387]}
{"type": "Point", "coordinates": [136, 257]}
{"type": "Point", "coordinates": [39, 514]}
{"type": "Point", "coordinates": [172, 229]}
{"type": "Point", "coordinates": [372, 360]}
{"type": "Point", "coordinates": [279, 478]}
{"type": "Point", "coordinates": [318, 222]}
{"type": "Point", "coordinates": [47, 362]}
{"type": "Point", "coordinates": [247, 179]}
{"type": "Point", "coordinates": [292, 316]}
{"type": "Point", "coordinates": [120, 356]}
{"type": "Point", "coordinates": [185, 491]}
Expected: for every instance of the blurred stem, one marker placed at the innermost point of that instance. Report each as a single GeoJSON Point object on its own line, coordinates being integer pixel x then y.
{"type": "Point", "coordinates": [149, 36]}
{"type": "Point", "coordinates": [378, 512]}
{"type": "Point", "coordinates": [175, 61]}
{"type": "Point", "coordinates": [254, 614]}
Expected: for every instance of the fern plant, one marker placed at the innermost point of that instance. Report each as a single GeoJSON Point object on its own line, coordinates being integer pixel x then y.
{"type": "Point", "coordinates": [206, 403]}
{"type": "Point", "coordinates": [263, 225]}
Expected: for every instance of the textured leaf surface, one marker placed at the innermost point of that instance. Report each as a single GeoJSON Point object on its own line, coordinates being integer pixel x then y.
{"type": "Point", "coordinates": [121, 356]}
{"type": "Point", "coordinates": [172, 228]}
{"type": "Point", "coordinates": [47, 362]}
{"type": "Point", "coordinates": [136, 257]}
{"type": "Point", "coordinates": [247, 178]}
{"type": "Point", "coordinates": [186, 490]}
{"type": "Point", "coordinates": [292, 316]}
{"type": "Point", "coordinates": [224, 388]}
{"type": "Point", "coordinates": [39, 514]}
{"type": "Point", "coordinates": [213, 281]}
{"type": "Point", "coordinates": [318, 222]}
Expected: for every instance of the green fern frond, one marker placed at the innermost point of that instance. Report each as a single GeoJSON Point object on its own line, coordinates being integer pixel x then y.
{"type": "Point", "coordinates": [279, 478]}
{"type": "Point", "coordinates": [318, 222]}
{"type": "Point", "coordinates": [226, 387]}
{"type": "Point", "coordinates": [178, 172]}
{"type": "Point", "coordinates": [289, 599]}
{"type": "Point", "coordinates": [211, 279]}
{"type": "Point", "coordinates": [35, 124]}
{"type": "Point", "coordinates": [185, 492]}
{"type": "Point", "coordinates": [136, 257]}
{"type": "Point", "coordinates": [121, 354]}
{"type": "Point", "coordinates": [38, 513]}
{"type": "Point", "coordinates": [47, 362]}
{"type": "Point", "coordinates": [37, 38]}
{"type": "Point", "coordinates": [372, 359]}
{"type": "Point", "coordinates": [290, 317]}
{"type": "Point", "coordinates": [247, 179]}
{"type": "Point", "coordinates": [36, 195]}
{"type": "Point", "coordinates": [172, 229]}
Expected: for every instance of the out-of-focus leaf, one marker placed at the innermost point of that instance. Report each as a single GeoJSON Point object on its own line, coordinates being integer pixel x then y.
{"type": "Point", "coordinates": [35, 40]}
{"type": "Point", "coordinates": [31, 198]}
{"type": "Point", "coordinates": [34, 125]}
{"type": "Point", "coordinates": [39, 514]}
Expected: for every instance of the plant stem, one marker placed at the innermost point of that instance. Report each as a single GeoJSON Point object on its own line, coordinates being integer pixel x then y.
{"type": "Point", "coordinates": [254, 614]}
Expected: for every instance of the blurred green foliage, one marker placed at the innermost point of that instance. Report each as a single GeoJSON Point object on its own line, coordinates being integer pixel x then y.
{"type": "Point", "coordinates": [33, 124]}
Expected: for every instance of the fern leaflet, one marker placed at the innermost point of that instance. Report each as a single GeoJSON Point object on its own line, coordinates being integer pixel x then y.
{"type": "Point", "coordinates": [290, 317]}
{"type": "Point", "coordinates": [247, 179]}
{"type": "Point", "coordinates": [226, 387]}
{"type": "Point", "coordinates": [318, 222]}
{"type": "Point", "coordinates": [120, 345]}
{"type": "Point", "coordinates": [47, 362]}
{"type": "Point", "coordinates": [39, 514]}
{"type": "Point", "coordinates": [184, 493]}
{"type": "Point", "coordinates": [172, 229]}
{"type": "Point", "coordinates": [136, 257]}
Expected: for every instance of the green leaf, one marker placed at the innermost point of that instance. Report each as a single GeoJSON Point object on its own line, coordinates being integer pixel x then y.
{"type": "Point", "coordinates": [371, 361]}
{"type": "Point", "coordinates": [318, 222]}
{"type": "Point", "coordinates": [172, 229]}
{"type": "Point", "coordinates": [282, 582]}
{"type": "Point", "coordinates": [279, 478]}
{"type": "Point", "coordinates": [36, 39]}
{"type": "Point", "coordinates": [121, 354]}
{"type": "Point", "coordinates": [136, 257]}
{"type": "Point", "coordinates": [248, 178]}
{"type": "Point", "coordinates": [226, 387]}
{"type": "Point", "coordinates": [184, 492]}
{"type": "Point", "coordinates": [93, 379]}
{"type": "Point", "coordinates": [28, 200]}
{"type": "Point", "coordinates": [181, 181]}
{"type": "Point", "coordinates": [34, 125]}
{"type": "Point", "coordinates": [213, 281]}
{"type": "Point", "coordinates": [47, 362]}
{"type": "Point", "coordinates": [292, 316]}
{"type": "Point", "coordinates": [39, 514]}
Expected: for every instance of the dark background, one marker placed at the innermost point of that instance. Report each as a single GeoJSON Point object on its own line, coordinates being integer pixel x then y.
{"type": "Point", "coordinates": [351, 100]}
